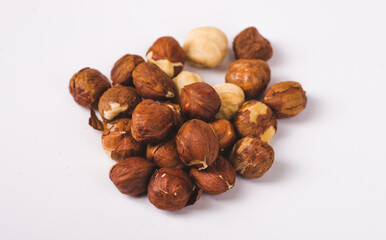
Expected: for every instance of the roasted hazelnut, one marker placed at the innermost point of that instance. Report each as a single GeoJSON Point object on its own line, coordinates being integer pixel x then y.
{"type": "Point", "coordinates": [225, 132]}
{"type": "Point", "coordinates": [132, 175]}
{"type": "Point", "coordinates": [123, 69]}
{"type": "Point", "coordinates": [251, 157]}
{"type": "Point", "coordinates": [256, 119]}
{"type": "Point", "coordinates": [185, 78]}
{"type": "Point", "coordinates": [151, 82]}
{"type": "Point", "coordinates": [199, 100]}
{"type": "Point", "coordinates": [232, 97]}
{"type": "Point", "coordinates": [151, 122]}
{"type": "Point", "coordinates": [197, 144]}
{"type": "Point", "coordinates": [179, 117]}
{"type": "Point", "coordinates": [168, 55]}
{"type": "Point", "coordinates": [164, 154]}
{"type": "Point", "coordinates": [286, 99]}
{"type": "Point", "coordinates": [170, 189]}
{"type": "Point", "coordinates": [252, 75]}
{"type": "Point", "coordinates": [118, 101]}
{"type": "Point", "coordinates": [206, 47]}
{"type": "Point", "coordinates": [249, 44]}
{"type": "Point", "coordinates": [87, 86]}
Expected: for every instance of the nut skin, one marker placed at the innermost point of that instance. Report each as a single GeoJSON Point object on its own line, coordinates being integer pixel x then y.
{"type": "Point", "coordinates": [225, 132]}
{"type": "Point", "coordinates": [185, 78]}
{"type": "Point", "coordinates": [200, 100]}
{"type": "Point", "coordinates": [168, 55]}
{"type": "Point", "coordinates": [131, 176]}
{"type": "Point", "coordinates": [197, 144]}
{"type": "Point", "coordinates": [151, 82]}
{"type": "Point", "coordinates": [252, 75]}
{"type": "Point", "coordinates": [249, 44]}
{"type": "Point", "coordinates": [286, 99]}
{"type": "Point", "coordinates": [87, 86]}
{"type": "Point", "coordinates": [164, 154]}
{"type": "Point", "coordinates": [123, 69]}
{"type": "Point", "coordinates": [251, 157]}
{"type": "Point", "coordinates": [256, 119]}
{"type": "Point", "coordinates": [179, 117]}
{"type": "Point", "coordinates": [232, 97]}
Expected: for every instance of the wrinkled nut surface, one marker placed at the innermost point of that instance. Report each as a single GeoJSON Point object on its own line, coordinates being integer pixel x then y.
{"type": "Point", "coordinates": [123, 69]}
{"type": "Point", "coordinates": [151, 82]}
{"type": "Point", "coordinates": [200, 100]}
{"type": "Point", "coordinates": [164, 154]}
{"type": "Point", "coordinates": [232, 97]}
{"type": "Point", "coordinates": [168, 55]}
{"type": "Point", "coordinates": [132, 175]}
{"type": "Point", "coordinates": [197, 144]}
{"type": "Point", "coordinates": [249, 44]}
{"type": "Point", "coordinates": [225, 133]}
{"type": "Point", "coordinates": [206, 47]}
{"type": "Point", "coordinates": [185, 78]}
{"type": "Point", "coordinates": [251, 157]}
{"type": "Point", "coordinates": [179, 117]}
{"type": "Point", "coordinates": [87, 86]}
{"type": "Point", "coordinates": [252, 75]}
{"type": "Point", "coordinates": [286, 99]}
{"type": "Point", "coordinates": [256, 119]}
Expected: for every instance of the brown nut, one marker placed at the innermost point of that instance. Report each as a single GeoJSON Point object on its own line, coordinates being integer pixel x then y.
{"type": "Point", "coordinates": [217, 178]}
{"type": "Point", "coordinates": [225, 132]}
{"type": "Point", "coordinates": [197, 144]}
{"type": "Point", "coordinates": [179, 117]}
{"type": "Point", "coordinates": [256, 119]}
{"type": "Point", "coordinates": [132, 175]}
{"type": "Point", "coordinates": [251, 157]}
{"type": "Point", "coordinates": [164, 154]}
{"type": "Point", "coordinates": [123, 69]}
{"type": "Point", "coordinates": [87, 86]}
{"type": "Point", "coordinates": [286, 99]}
{"type": "Point", "coordinates": [151, 82]}
{"type": "Point", "coordinates": [185, 78]}
{"type": "Point", "coordinates": [252, 75]}
{"type": "Point", "coordinates": [199, 100]}
{"type": "Point", "coordinates": [232, 97]}
{"type": "Point", "coordinates": [151, 122]}
{"type": "Point", "coordinates": [168, 55]}
{"type": "Point", "coordinates": [249, 44]}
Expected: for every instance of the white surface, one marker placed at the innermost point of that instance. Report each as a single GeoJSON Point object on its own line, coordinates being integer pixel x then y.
{"type": "Point", "coordinates": [328, 180]}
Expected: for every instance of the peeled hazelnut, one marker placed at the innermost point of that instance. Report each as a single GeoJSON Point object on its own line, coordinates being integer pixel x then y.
{"type": "Point", "coordinates": [164, 154]}
{"type": "Point", "coordinates": [179, 117]}
{"type": "Point", "coordinates": [132, 175]}
{"type": "Point", "coordinates": [186, 78]}
{"type": "Point", "coordinates": [197, 144]}
{"type": "Point", "coordinates": [123, 69]}
{"type": "Point", "coordinates": [200, 100]}
{"type": "Point", "coordinates": [256, 119]}
{"type": "Point", "coordinates": [252, 75]}
{"type": "Point", "coordinates": [87, 86]}
{"type": "Point", "coordinates": [232, 97]}
{"type": "Point", "coordinates": [251, 157]}
{"type": "Point", "coordinates": [249, 44]}
{"type": "Point", "coordinates": [206, 47]}
{"type": "Point", "coordinates": [151, 122]}
{"type": "Point", "coordinates": [286, 99]}
{"type": "Point", "coordinates": [225, 132]}
{"type": "Point", "coordinates": [168, 55]}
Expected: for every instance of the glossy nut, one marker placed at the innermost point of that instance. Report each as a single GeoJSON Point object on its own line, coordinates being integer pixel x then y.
{"type": "Point", "coordinates": [123, 69]}
{"type": "Point", "coordinates": [185, 78]}
{"type": "Point", "coordinates": [164, 154]}
{"type": "Point", "coordinates": [179, 117]}
{"type": "Point", "coordinates": [225, 133]}
{"type": "Point", "coordinates": [232, 97]}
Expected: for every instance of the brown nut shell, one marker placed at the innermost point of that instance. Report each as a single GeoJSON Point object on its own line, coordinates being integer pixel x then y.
{"type": "Point", "coordinates": [225, 132]}
{"type": "Point", "coordinates": [179, 117]}
{"type": "Point", "coordinates": [123, 69]}
{"type": "Point", "coordinates": [249, 44]}
{"type": "Point", "coordinates": [165, 154]}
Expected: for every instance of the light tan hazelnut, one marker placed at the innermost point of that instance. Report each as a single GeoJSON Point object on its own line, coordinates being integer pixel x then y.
{"type": "Point", "coordinates": [186, 78]}
{"type": "Point", "coordinates": [232, 97]}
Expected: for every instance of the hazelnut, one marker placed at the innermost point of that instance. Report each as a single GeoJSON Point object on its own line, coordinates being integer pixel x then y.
{"type": "Point", "coordinates": [225, 132]}
{"type": "Point", "coordinates": [179, 117]}
{"type": "Point", "coordinates": [197, 144]}
{"type": "Point", "coordinates": [164, 154]}
{"type": "Point", "coordinates": [132, 175]}
{"type": "Point", "coordinates": [199, 100]}
{"type": "Point", "coordinates": [87, 86]}
{"type": "Point", "coordinates": [251, 157]}
{"type": "Point", "coordinates": [252, 75]}
{"type": "Point", "coordinates": [206, 47]}
{"type": "Point", "coordinates": [286, 99]}
{"type": "Point", "coordinates": [185, 78]}
{"type": "Point", "coordinates": [170, 189]}
{"type": "Point", "coordinates": [168, 55]}
{"type": "Point", "coordinates": [217, 178]}
{"type": "Point", "coordinates": [232, 97]}
{"type": "Point", "coordinates": [151, 122]}
{"type": "Point", "coordinates": [123, 69]}
{"type": "Point", "coordinates": [151, 82]}
{"type": "Point", "coordinates": [118, 101]}
{"type": "Point", "coordinates": [256, 119]}
{"type": "Point", "coordinates": [249, 44]}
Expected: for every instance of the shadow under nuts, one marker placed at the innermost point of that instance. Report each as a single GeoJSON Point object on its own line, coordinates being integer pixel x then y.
{"type": "Point", "coordinates": [225, 132]}
{"type": "Point", "coordinates": [123, 69]}
{"type": "Point", "coordinates": [164, 154]}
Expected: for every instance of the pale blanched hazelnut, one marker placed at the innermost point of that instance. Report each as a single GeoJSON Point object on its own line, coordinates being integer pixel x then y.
{"type": "Point", "coordinates": [232, 97]}
{"type": "Point", "coordinates": [186, 78]}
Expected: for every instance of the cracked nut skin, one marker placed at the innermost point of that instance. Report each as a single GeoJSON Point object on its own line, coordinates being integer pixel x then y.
{"type": "Point", "coordinates": [179, 117]}
{"type": "Point", "coordinates": [249, 44]}
{"type": "Point", "coordinates": [252, 157]}
{"type": "Point", "coordinates": [185, 78]}
{"type": "Point", "coordinates": [123, 69]}
{"type": "Point", "coordinates": [131, 176]}
{"type": "Point", "coordinates": [225, 133]}
{"type": "Point", "coordinates": [87, 86]}
{"type": "Point", "coordinates": [286, 99]}
{"type": "Point", "coordinates": [151, 122]}
{"type": "Point", "coordinates": [200, 100]}
{"type": "Point", "coordinates": [170, 189]}
{"type": "Point", "coordinates": [256, 119]}
{"type": "Point", "coordinates": [151, 82]}
{"type": "Point", "coordinates": [168, 55]}
{"type": "Point", "coordinates": [252, 75]}
{"type": "Point", "coordinates": [232, 97]}
{"type": "Point", "coordinates": [217, 178]}
{"type": "Point", "coordinates": [164, 154]}
{"type": "Point", "coordinates": [197, 144]}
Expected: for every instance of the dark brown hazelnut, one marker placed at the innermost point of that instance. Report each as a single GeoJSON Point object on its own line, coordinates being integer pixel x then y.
{"type": "Point", "coordinates": [179, 117]}
{"type": "Point", "coordinates": [123, 69]}
{"type": "Point", "coordinates": [164, 154]}
{"type": "Point", "coordinates": [225, 132]}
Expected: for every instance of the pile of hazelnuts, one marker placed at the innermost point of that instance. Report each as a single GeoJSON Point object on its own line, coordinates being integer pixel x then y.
{"type": "Point", "coordinates": [175, 136]}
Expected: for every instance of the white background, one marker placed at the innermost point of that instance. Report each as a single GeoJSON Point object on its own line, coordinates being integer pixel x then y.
{"type": "Point", "coordinates": [328, 180]}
